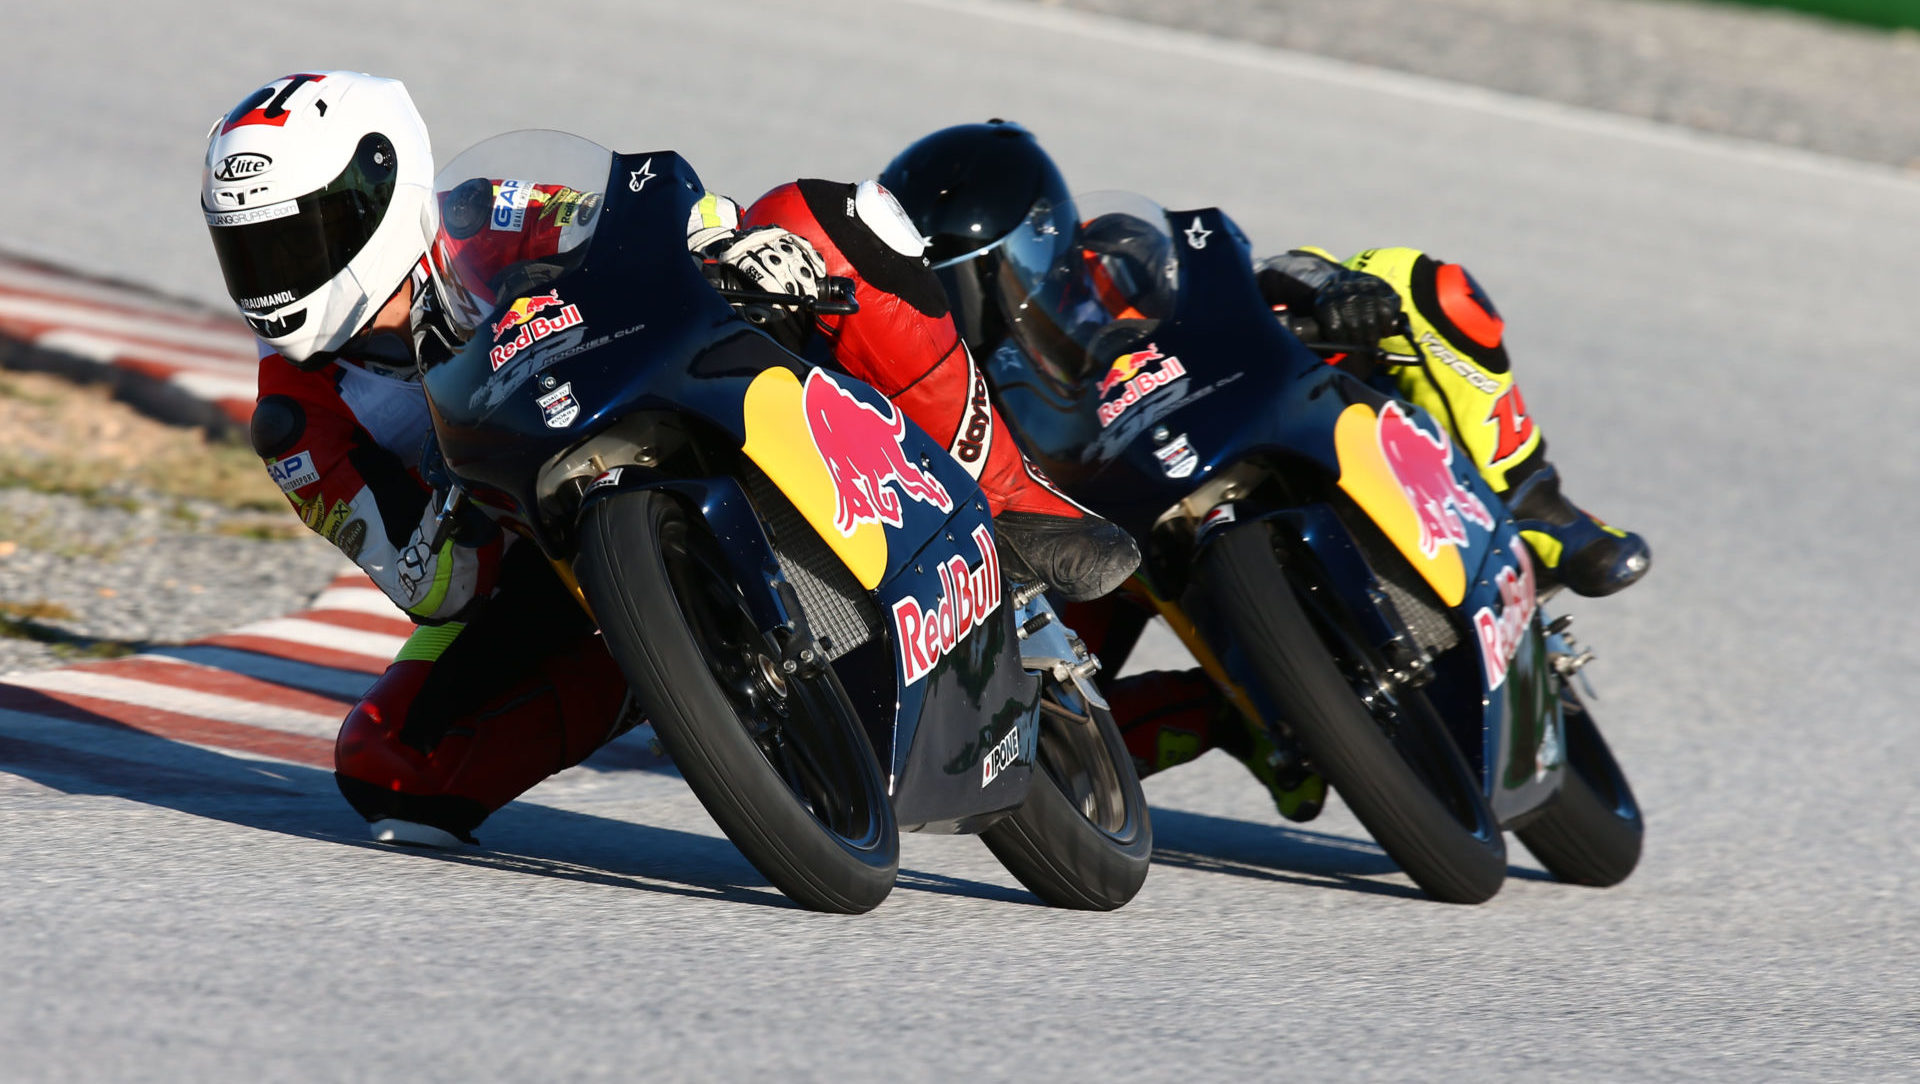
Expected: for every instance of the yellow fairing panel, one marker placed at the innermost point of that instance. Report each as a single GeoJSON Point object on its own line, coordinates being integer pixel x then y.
{"type": "Point", "coordinates": [1365, 477]}
{"type": "Point", "coordinates": [779, 442]}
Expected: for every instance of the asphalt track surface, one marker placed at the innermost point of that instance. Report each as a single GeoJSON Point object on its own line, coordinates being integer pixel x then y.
{"type": "Point", "coordinates": [1716, 335]}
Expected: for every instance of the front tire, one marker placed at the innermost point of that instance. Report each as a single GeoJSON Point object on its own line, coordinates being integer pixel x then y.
{"type": "Point", "coordinates": [1590, 832]}
{"type": "Point", "coordinates": [1082, 839]}
{"type": "Point", "coordinates": [779, 760]}
{"type": "Point", "coordinates": [1395, 766]}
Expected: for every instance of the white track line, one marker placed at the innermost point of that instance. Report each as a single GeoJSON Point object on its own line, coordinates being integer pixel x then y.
{"type": "Point", "coordinates": [234, 343]}
{"type": "Point", "coordinates": [101, 348]}
{"type": "Point", "coordinates": [360, 600]}
{"type": "Point", "coordinates": [374, 645]}
{"type": "Point", "coordinates": [216, 388]}
{"type": "Point", "coordinates": [147, 694]}
{"type": "Point", "coordinates": [21, 277]}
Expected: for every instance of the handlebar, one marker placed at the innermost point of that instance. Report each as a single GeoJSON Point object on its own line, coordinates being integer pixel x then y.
{"type": "Point", "coordinates": [836, 298]}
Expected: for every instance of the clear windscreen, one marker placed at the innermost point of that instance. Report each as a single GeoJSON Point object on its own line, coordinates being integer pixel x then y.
{"type": "Point", "coordinates": [1084, 282]}
{"type": "Point", "coordinates": [516, 211]}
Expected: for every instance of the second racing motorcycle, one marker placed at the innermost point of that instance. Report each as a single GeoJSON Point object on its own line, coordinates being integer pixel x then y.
{"type": "Point", "coordinates": [1343, 576]}
{"type": "Point", "coordinates": [800, 586]}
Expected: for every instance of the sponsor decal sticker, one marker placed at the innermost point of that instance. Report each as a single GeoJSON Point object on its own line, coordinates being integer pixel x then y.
{"type": "Point", "coordinates": [1466, 370]}
{"type": "Point", "coordinates": [1177, 457]}
{"type": "Point", "coordinates": [353, 537]}
{"type": "Point", "coordinates": [251, 215]}
{"type": "Point", "coordinates": [1423, 465]}
{"type": "Point", "coordinates": [970, 444]}
{"type": "Point", "coordinates": [1221, 516]}
{"type": "Point", "coordinates": [1129, 374]}
{"type": "Point", "coordinates": [238, 167]}
{"type": "Point", "coordinates": [1005, 754]}
{"type": "Point", "coordinates": [637, 179]}
{"type": "Point", "coordinates": [558, 407]}
{"type": "Point", "coordinates": [925, 633]}
{"type": "Point", "coordinates": [509, 205]}
{"type": "Point", "coordinates": [1197, 234]}
{"type": "Point", "coordinates": [608, 477]}
{"type": "Point", "coordinates": [865, 458]}
{"type": "Point", "coordinates": [524, 317]}
{"type": "Point", "coordinates": [267, 301]}
{"type": "Point", "coordinates": [1500, 635]}
{"type": "Point", "coordinates": [293, 471]}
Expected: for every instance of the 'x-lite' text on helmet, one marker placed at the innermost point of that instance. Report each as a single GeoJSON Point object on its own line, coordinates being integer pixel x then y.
{"type": "Point", "coordinates": [318, 193]}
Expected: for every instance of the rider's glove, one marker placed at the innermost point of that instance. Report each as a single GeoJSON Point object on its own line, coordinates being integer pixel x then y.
{"type": "Point", "coordinates": [1355, 308]}
{"type": "Point", "coordinates": [771, 259]}
{"type": "Point", "coordinates": [436, 586]}
{"type": "Point", "coordinates": [776, 261]}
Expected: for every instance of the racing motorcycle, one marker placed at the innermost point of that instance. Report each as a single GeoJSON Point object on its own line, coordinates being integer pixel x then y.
{"type": "Point", "coordinates": [800, 586]}
{"type": "Point", "coordinates": [1351, 584]}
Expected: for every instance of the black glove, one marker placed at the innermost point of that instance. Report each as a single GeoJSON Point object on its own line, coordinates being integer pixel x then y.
{"type": "Point", "coordinates": [1358, 309]}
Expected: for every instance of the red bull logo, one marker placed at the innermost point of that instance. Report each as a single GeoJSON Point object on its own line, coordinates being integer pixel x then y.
{"type": "Point", "coordinates": [864, 456]}
{"type": "Point", "coordinates": [524, 315]}
{"type": "Point", "coordinates": [1128, 372]}
{"type": "Point", "coordinates": [1500, 636]}
{"type": "Point", "coordinates": [1423, 465]}
{"type": "Point", "coordinates": [968, 596]}
{"type": "Point", "coordinates": [1126, 367]}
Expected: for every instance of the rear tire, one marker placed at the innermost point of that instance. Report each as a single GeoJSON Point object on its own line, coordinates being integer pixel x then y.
{"type": "Point", "coordinates": [1412, 790]}
{"type": "Point", "coordinates": [1082, 839]}
{"type": "Point", "coordinates": [1590, 832]}
{"type": "Point", "coordinates": [784, 768]}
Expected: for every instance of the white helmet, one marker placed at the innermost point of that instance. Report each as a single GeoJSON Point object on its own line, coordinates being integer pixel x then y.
{"type": "Point", "coordinates": [318, 191]}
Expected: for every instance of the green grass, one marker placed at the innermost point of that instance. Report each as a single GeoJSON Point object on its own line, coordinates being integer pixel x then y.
{"type": "Point", "coordinates": [1890, 14]}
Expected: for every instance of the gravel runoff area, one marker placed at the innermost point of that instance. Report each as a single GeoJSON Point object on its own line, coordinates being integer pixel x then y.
{"type": "Point", "coordinates": [1759, 74]}
{"type": "Point", "coordinates": [122, 569]}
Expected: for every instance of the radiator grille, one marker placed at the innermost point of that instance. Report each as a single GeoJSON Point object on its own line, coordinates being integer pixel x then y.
{"type": "Point", "coordinates": [840, 612]}
{"type": "Point", "coordinates": [1410, 595]}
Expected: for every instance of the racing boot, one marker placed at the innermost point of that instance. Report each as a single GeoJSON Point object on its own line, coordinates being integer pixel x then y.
{"type": "Point", "coordinates": [1572, 546]}
{"type": "Point", "coordinates": [903, 341]}
{"type": "Point", "coordinates": [1169, 717]}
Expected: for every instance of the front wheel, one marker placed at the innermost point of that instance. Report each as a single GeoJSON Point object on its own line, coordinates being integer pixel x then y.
{"type": "Point", "coordinates": [1590, 832]}
{"type": "Point", "coordinates": [1382, 747]}
{"type": "Point", "coordinates": [779, 759]}
{"type": "Point", "coordinates": [1082, 839]}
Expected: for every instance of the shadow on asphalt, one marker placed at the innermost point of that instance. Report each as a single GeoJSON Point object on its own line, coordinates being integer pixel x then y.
{"type": "Point", "coordinates": [1285, 854]}
{"type": "Point", "coordinates": [296, 800]}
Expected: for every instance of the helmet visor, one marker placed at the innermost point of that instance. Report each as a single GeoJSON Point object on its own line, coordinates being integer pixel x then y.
{"type": "Point", "coordinates": [275, 254]}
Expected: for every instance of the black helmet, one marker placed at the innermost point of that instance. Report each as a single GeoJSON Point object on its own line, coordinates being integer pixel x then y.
{"type": "Point", "coordinates": [998, 220]}
{"type": "Point", "coordinates": [968, 186]}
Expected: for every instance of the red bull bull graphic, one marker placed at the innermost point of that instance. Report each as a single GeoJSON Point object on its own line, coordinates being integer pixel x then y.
{"type": "Point", "coordinates": [1128, 373]}
{"type": "Point", "coordinates": [968, 596]}
{"type": "Point", "coordinates": [524, 315]}
{"type": "Point", "coordinates": [1500, 636]}
{"type": "Point", "coordinates": [1423, 465]}
{"type": "Point", "coordinates": [864, 456]}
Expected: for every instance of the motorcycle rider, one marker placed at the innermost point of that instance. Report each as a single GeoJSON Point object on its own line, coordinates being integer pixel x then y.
{"type": "Point", "coordinates": [971, 188]}
{"type": "Point", "coordinates": [318, 195]}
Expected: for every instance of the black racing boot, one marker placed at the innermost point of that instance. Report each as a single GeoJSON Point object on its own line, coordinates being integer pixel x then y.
{"type": "Point", "coordinates": [1083, 557]}
{"type": "Point", "coordinates": [1575, 548]}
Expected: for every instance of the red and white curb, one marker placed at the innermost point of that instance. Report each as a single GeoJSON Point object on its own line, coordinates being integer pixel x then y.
{"type": "Point", "coordinates": [275, 689]}
{"type": "Point", "coordinates": [196, 359]}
